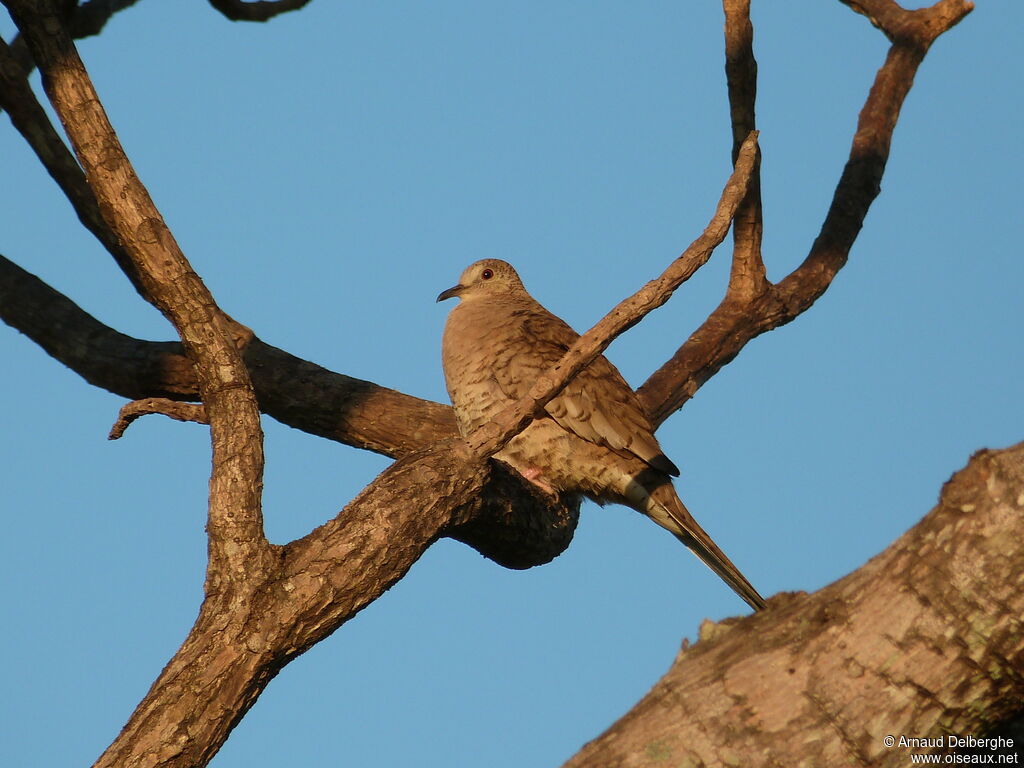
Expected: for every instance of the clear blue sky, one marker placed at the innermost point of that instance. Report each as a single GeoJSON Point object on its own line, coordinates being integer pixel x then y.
{"type": "Point", "coordinates": [329, 173]}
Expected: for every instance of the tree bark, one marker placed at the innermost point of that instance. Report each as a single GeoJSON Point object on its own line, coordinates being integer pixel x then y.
{"type": "Point", "coordinates": [922, 641]}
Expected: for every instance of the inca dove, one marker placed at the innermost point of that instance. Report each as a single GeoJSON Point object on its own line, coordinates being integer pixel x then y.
{"type": "Point", "coordinates": [596, 438]}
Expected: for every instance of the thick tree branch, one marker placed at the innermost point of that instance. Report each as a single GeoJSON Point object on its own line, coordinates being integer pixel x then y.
{"type": "Point", "coordinates": [313, 586]}
{"type": "Point", "coordinates": [315, 583]}
{"type": "Point", "coordinates": [294, 391]}
{"type": "Point", "coordinates": [737, 319]}
{"type": "Point", "coordinates": [928, 633]}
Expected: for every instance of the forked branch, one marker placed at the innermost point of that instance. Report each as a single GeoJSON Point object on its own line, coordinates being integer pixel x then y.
{"type": "Point", "coordinates": [743, 315]}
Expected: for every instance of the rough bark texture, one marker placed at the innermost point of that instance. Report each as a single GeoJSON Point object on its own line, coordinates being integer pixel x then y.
{"type": "Point", "coordinates": [926, 633]}
{"type": "Point", "coordinates": [925, 639]}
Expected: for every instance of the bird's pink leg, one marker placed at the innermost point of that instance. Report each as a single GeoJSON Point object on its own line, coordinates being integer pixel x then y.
{"type": "Point", "coordinates": [533, 474]}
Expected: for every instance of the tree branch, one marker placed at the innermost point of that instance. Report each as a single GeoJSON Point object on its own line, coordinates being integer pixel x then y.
{"type": "Point", "coordinates": [259, 10]}
{"type": "Point", "coordinates": [926, 632]}
{"type": "Point", "coordinates": [296, 392]}
{"type": "Point", "coordinates": [83, 20]}
{"type": "Point", "coordinates": [747, 277]}
{"type": "Point", "coordinates": [31, 121]}
{"type": "Point", "coordinates": [172, 409]}
{"type": "Point", "coordinates": [738, 319]}
{"type": "Point", "coordinates": [91, 17]}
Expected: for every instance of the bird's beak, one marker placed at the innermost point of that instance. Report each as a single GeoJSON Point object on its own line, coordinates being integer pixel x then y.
{"type": "Point", "coordinates": [455, 290]}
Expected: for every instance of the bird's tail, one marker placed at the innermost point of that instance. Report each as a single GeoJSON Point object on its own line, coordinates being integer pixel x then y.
{"type": "Point", "coordinates": [664, 502]}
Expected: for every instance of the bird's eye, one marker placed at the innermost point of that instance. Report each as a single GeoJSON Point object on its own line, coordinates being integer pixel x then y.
{"type": "Point", "coordinates": [487, 274]}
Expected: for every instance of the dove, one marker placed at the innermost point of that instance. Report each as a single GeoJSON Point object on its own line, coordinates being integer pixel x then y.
{"type": "Point", "coordinates": [594, 438]}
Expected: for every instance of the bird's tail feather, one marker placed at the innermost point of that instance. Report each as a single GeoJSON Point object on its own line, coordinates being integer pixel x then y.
{"type": "Point", "coordinates": [698, 542]}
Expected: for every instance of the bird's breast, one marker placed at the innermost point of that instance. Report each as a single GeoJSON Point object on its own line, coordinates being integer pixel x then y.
{"type": "Point", "coordinates": [471, 351]}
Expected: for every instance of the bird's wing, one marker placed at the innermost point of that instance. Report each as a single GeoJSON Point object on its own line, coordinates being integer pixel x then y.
{"type": "Point", "coordinates": [597, 405]}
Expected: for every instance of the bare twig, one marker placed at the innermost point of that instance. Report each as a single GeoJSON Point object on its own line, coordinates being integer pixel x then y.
{"type": "Point", "coordinates": [90, 18]}
{"type": "Point", "coordinates": [259, 10]}
{"type": "Point", "coordinates": [172, 409]}
{"type": "Point", "coordinates": [747, 277]}
{"type": "Point", "coordinates": [492, 436]}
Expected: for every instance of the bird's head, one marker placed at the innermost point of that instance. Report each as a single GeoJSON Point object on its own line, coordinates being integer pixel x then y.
{"type": "Point", "coordinates": [487, 277]}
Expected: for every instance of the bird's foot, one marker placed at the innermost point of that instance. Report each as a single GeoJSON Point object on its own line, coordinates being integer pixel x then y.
{"type": "Point", "coordinates": [533, 474]}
